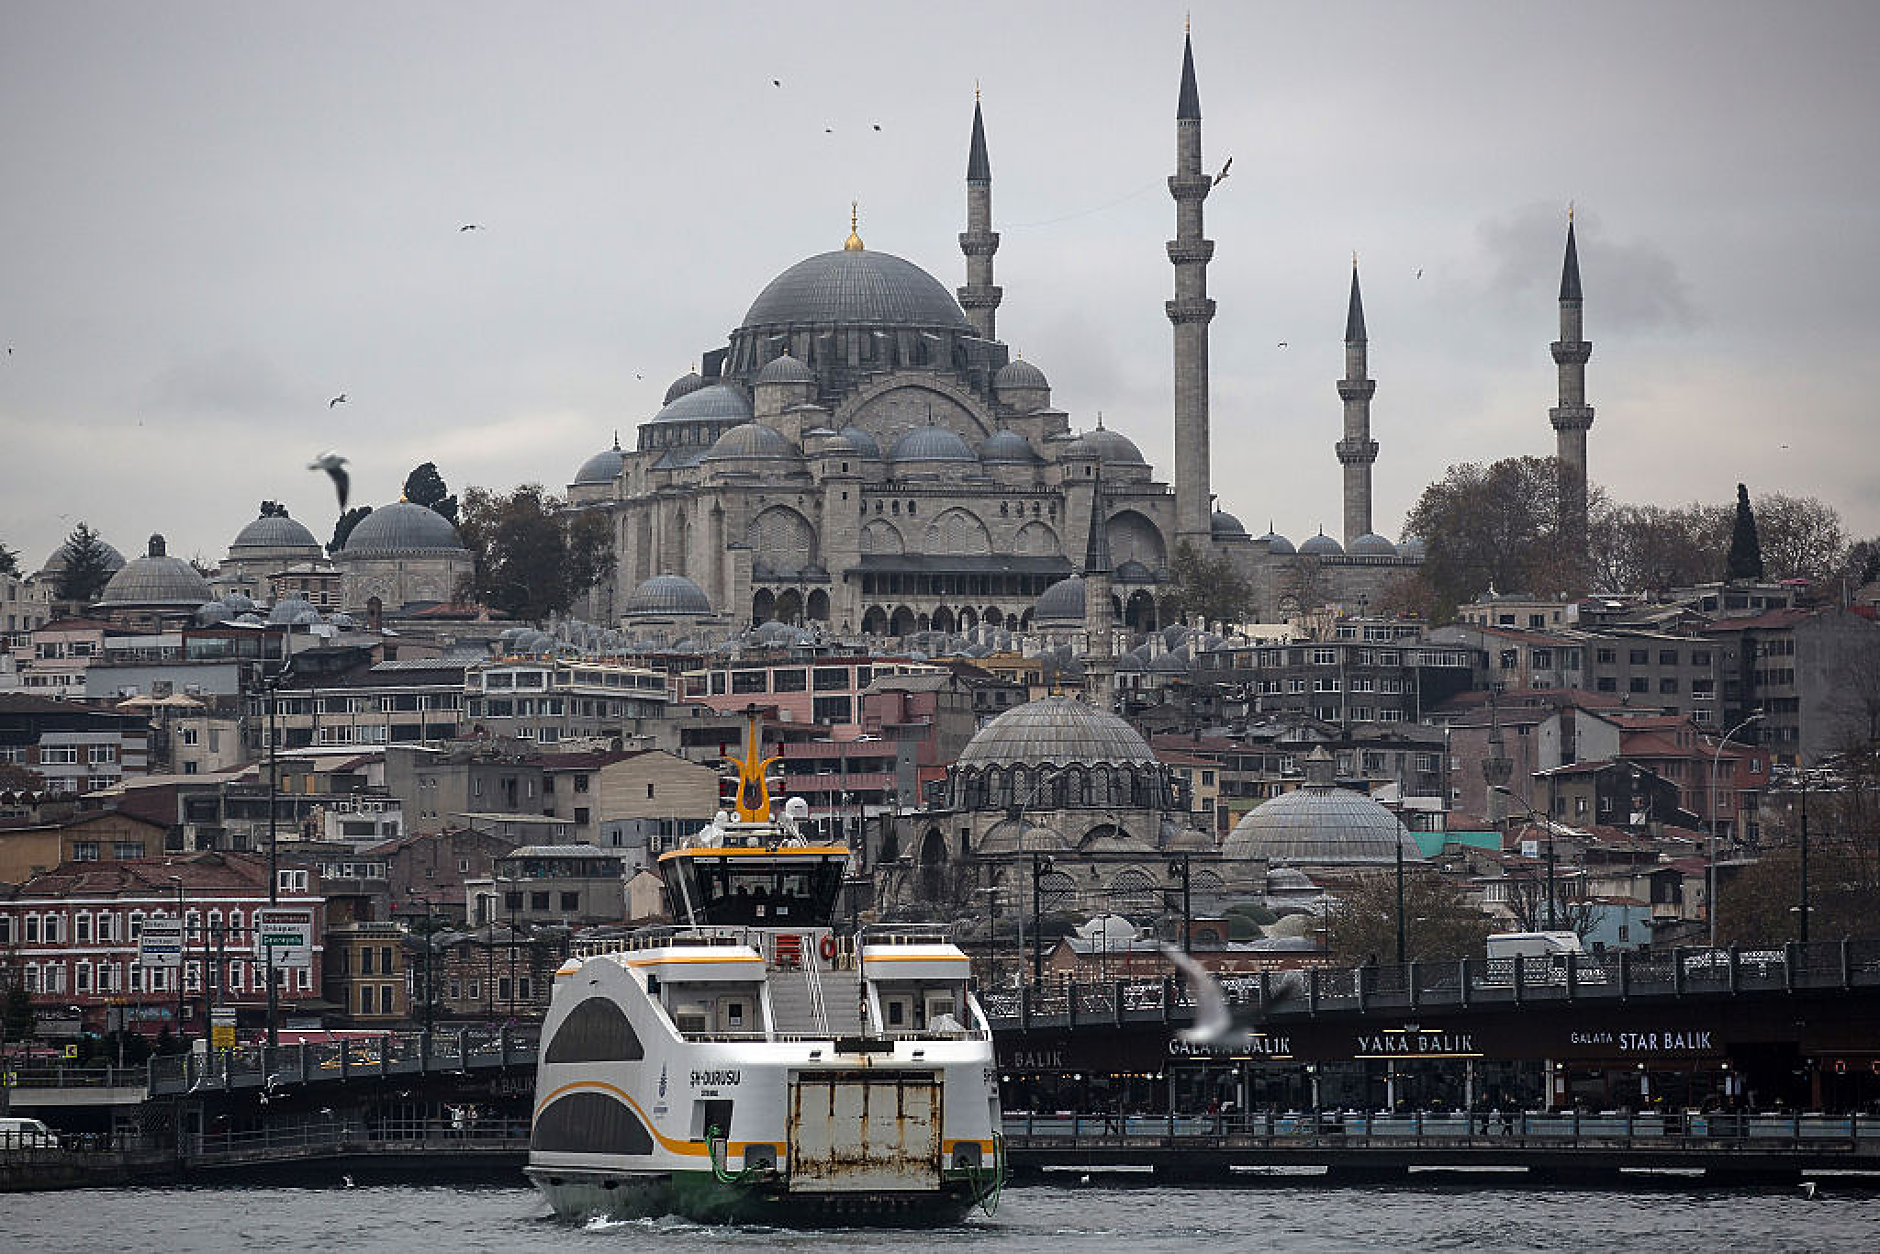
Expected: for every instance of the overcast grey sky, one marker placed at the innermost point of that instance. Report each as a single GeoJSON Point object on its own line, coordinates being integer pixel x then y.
{"type": "Point", "coordinates": [216, 217]}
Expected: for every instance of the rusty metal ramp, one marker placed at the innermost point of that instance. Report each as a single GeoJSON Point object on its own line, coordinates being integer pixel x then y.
{"type": "Point", "coordinates": [863, 1131]}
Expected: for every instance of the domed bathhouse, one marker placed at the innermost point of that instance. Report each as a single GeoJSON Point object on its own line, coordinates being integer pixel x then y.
{"type": "Point", "coordinates": [1322, 829]}
{"type": "Point", "coordinates": [268, 546]}
{"type": "Point", "coordinates": [865, 449]}
{"type": "Point", "coordinates": [153, 591]}
{"type": "Point", "coordinates": [401, 555]}
{"type": "Point", "coordinates": [1060, 778]}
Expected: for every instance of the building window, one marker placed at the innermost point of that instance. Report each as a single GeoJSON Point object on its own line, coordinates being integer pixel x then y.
{"type": "Point", "coordinates": [538, 901]}
{"type": "Point", "coordinates": [85, 851]}
{"type": "Point", "coordinates": [580, 783]}
{"type": "Point", "coordinates": [571, 901]}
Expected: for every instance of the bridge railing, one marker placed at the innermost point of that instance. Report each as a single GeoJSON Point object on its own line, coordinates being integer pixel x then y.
{"type": "Point", "coordinates": [76, 1077]}
{"type": "Point", "coordinates": [334, 1136]}
{"type": "Point", "coordinates": [1609, 976]}
{"type": "Point", "coordinates": [390, 1053]}
{"type": "Point", "coordinates": [1861, 1132]}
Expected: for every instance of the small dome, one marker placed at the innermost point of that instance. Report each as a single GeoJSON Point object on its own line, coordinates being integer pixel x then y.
{"type": "Point", "coordinates": [403, 528]}
{"type": "Point", "coordinates": [751, 439]}
{"type": "Point", "coordinates": [213, 612]}
{"type": "Point", "coordinates": [274, 531]}
{"type": "Point", "coordinates": [1106, 446]}
{"type": "Point", "coordinates": [785, 369]}
{"type": "Point", "coordinates": [667, 594]}
{"type": "Point", "coordinates": [1321, 825]}
{"type": "Point", "coordinates": [1321, 545]}
{"type": "Point", "coordinates": [1225, 526]}
{"type": "Point", "coordinates": [238, 602]}
{"type": "Point", "coordinates": [1062, 602]}
{"type": "Point", "coordinates": [603, 467]}
{"type": "Point", "coordinates": [289, 610]}
{"type": "Point", "coordinates": [1411, 546]}
{"type": "Point", "coordinates": [1276, 543]}
{"type": "Point", "coordinates": [1133, 571]}
{"type": "Point", "coordinates": [1019, 373]}
{"type": "Point", "coordinates": [1174, 662]}
{"type": "Point", "coordinates": [1370, 544]}
{"type": "Point", "coordinates": [708, 401]}
{"type": "Point", "coordinates": [687, 382]}
{"type": "Point", "coordinates": [1132, 663]}
{"type": "Point", "coordinates": [156, 580]}
{"type": "Point", "coordinates": [932, 443]}
{"type": "Point", "coordinates": [113, 560]}
{"type": "Point", "coordinates": [864, 443]}
{"type": "Point", "coordinates": [1058, 731]}
{"type": "Point", "coordinates": [1006, 445]}
{"type": "Point", "coordinates": [1007, 837]}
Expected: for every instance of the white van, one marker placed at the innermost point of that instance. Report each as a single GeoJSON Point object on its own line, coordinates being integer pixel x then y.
{"type": "Point", "coordinates": [27, 1134]}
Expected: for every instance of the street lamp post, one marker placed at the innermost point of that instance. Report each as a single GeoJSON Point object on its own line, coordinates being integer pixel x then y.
{"type": "Point", "coordinates": [1710, 878]}
{"type": "Point", "coordinates": [1040, 867]}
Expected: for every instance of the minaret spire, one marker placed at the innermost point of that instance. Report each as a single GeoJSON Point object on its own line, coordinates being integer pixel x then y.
{"type": "Point", "coordinates": [1190, 312]}
{"type": "Point", "coordinates": [1572, 416]}
{"type": "Point", "coordinates": [1357, 450]}
{"type": "Point", "coordinates": [980, 297]}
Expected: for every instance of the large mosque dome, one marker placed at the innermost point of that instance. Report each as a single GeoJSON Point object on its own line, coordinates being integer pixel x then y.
{"type": "Point", "coordinates": [1060, 731]}
{"type": "Point", "coordinates": [402, 529]}
{"type": "Point", "coordinates": [1321, 824]}
{"type": "Point", "coordinates": [156, 580]}
{"type": "Point", "coordinates": [855, 287]}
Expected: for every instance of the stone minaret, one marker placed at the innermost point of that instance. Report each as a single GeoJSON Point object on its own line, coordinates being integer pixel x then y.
{"type": "Point", "coordinates": [979, 298]}
{"type": "Point", "coordinates": [1190, 312]}
{"type": "Point", "coordinates": [1572, 416]}
{"type": "Point", "coordinates": [1099, 660]}
{"type": "Point", "coordinates": [1497, 770]}
{"type": "Point", "coordinates": [1357, 450]}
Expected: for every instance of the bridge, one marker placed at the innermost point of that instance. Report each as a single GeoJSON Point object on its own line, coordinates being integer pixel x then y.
{"type": "Point", "coordinates": [315, 1065]}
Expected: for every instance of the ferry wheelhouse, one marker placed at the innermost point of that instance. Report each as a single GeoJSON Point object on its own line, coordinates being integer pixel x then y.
{"type": "Point", "coordinates": [756, 1063]}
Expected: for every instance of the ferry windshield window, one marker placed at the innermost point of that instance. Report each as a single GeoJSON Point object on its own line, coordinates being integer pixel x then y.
{"type": "Point", "coordinates": [733, 890]}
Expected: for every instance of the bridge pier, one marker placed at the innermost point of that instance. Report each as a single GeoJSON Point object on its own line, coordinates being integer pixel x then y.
{"type": "Point", "coordinates": [1577, 1176]}
{"type": "Point", "coordinates": [1191, 1172]}
{"type": "Point", "coordinates": [1366, 1173]}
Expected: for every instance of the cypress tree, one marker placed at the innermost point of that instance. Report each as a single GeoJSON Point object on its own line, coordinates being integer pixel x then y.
{"type": "Point", "coordinates": [1745, 561]}
{"type": "Point", "coordinates": [87, 566]}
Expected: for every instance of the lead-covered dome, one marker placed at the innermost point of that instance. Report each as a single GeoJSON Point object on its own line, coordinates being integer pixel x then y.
{"type": "Point", "coordinates": [1106, 446]}
{"type": "Point", "coordinates": [667, 595]}
{"type": "Point", "coordinates": [113, 560]}
{"type": "Point", "coordinates": [1019, 373]}
{"type": "Point", "coordinates": [403, 529]}
{"type": "Point", "coordinates": [1007, 445]}
{"type": "Point", "coordinates": [864, 443]}
{"type": "Point", "coordinates": [1224, 526]}
{"type": "Point", "coordinates": [156, 580]}
{"type": "Point", "coordinates": [603, 467]}
{"type": "Point", "coordinates": [1321, 824]}
{"type": "Point", "coordinates": [273, 531]}
{"type": "Point", "coordinates": [1056, 731]}
{"type": "Point", "coordinates": [687, 382]}
{"type": "Point", "coordinates": [751, 439]}
{"type": "Point", "coordinates": [785, 369]}
{"type": "Point", "coordinates": [932, 444]}
{"type": "Point", "coordinates": [1277, 543]}
{"type": "Point", "coordinates": [1370, 544]}
{"type": "Point", "coordinates": [704, 403]}
{"type": "Point", "coordinates": [1321, 545]}
{"type": "Point", "coordinates": [856, 287]}
{"type": "Point", "coordinates": [1062, 602]}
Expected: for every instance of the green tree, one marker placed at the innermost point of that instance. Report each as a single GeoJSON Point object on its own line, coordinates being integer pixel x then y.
{"type": "Point", "coordinates": [1496, 526]}
{"type": "Point", "coordinates": [1745, 560]}
{"type": "Point", "coordinates": [534, 553]}
{"type": "Point", "coordinates": [273, 509]}
{"type": "Point", "coordinates": [9, 561]}
{"type": "Point", "coordinates": [1207, 588]}
{"type": "Point", "coordinates": [1439, 921]}
{"type": "Point", "coordinates": [87, 566]}
{"type": "Point", "coordinates": [344, 527]}
{"type": "Point", "coordinates": [424, 486]}
{"type": "Point", "coordinates": [1861, 563]}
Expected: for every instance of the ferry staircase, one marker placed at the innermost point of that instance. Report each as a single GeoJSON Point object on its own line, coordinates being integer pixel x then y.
{"type": "Point", "coordinates": [816, 1003]}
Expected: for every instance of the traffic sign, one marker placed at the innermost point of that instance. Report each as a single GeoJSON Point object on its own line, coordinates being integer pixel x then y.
{"type": "Point", "coordinates": [161, 943]}
{"type": "Point", "coordinates": [286, 932]}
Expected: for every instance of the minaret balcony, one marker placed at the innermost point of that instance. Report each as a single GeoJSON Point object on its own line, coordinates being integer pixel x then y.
{"type": "Point", "coordinates": [1187, 252]}
{"type": "Point", "coordinates": [1190, 186]}
{"type": "Point", "coordinates": [1181, 311]}
{"type": "Point", "coordinates": [979, 243]}
{"type": "Point", "coordinates": [980, 297]}
{"type": "Point", "coordinates": [1356, 389]}
{"type": "Point", "coordinates": [1572, 352]}
{"type": "Point", "coordinates": [1353, 451]}
{"type": "Point", "coordinates": [1571, 417]}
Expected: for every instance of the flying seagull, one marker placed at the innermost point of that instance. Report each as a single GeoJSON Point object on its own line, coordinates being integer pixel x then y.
{"type": "Point", "coordinates": [337, 400]}
{"type": "Point", "coordinates": [1219, 178]}
{"type": "Point", "coordinates": [1419, 272]}
{"type": "Point", "coordinates": [776, 82]}
{"type": "Point", "coordinates": [877, 125]}
{"type": "Point", "coordinates": [1212, 1022]}
{"type": "Point", "coordinates": [1281, 344]}
{"type": "Point", "coordinates": [468, 226]}
{"type": "Point", "coordinates": [334, 465]}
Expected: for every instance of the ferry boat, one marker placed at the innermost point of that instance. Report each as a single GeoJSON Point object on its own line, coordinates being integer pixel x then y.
{"type": "Point", "coordinates": [754, 1062]}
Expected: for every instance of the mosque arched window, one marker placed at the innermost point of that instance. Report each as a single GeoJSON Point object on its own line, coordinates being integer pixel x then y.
{"type": "Point", "coordinates": [995, 779]}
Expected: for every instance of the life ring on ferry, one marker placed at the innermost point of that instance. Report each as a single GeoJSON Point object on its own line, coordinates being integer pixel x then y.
{"type": "Point", "coordinates": [827, 947]}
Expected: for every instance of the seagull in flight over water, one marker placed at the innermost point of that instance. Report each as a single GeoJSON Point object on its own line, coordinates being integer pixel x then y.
{"type": "Point", "coordinates": [335, 466]}
{"type": "Point", "coordinates": [1213, 1024]}
{"type": "Point", "coordinates": [337, 400]}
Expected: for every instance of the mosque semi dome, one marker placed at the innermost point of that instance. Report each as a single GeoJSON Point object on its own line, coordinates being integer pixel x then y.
{"type": "Point", "coordinates": [1321, 545]}
{"type": "Point", "coordinates": [603, 467]}
{"type": "Point", "coordinates": [667, 595]}
{"type": "Point", "coordinates": [713, 401]}
{"type": "Point", "coordinates": [403, 529]}
{"type": "Point", "coordinates": [274, 531]}
{"type": "Point", "coordinates": [932, 443]}
{"type": "Point", "coordinates": [856, 287]}
{"type": "Point", "coordinates": [1057, 731]}
{"type": "Point", "coordinates": [156, 579]}
{"type": "Point", "coordinates": [751, 439]}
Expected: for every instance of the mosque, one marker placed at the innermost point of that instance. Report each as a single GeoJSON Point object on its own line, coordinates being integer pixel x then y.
{"type": "Point", "coordinates": [865, 452]}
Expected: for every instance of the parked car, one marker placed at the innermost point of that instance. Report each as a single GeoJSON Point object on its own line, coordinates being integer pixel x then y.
{"type": "Point", "coordinates": [27, 1134]}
